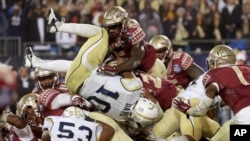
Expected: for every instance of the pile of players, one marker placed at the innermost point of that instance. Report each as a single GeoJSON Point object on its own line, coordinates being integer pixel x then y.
{"type": "Point", "coordinates": [120, 87]}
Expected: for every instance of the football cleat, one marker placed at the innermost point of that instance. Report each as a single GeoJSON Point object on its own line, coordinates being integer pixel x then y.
{"type": "Point", "coordinates": [53, 23]}
{"type": "Point", "coordinates": [29, 58]}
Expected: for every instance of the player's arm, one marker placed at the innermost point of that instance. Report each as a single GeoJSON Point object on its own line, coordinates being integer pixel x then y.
{"type": "Point", "coordinates": [14, 120]}
{"type": "Point", "coordinates": [53, 99]}
{"type": "Point", "coordinates": [194, 71]}
{"type": "Point", "coordinates": [137, 54]}
{"type": "Point", "coordinates": [107, 132]}
{"type": "Point", "coordinates": [22, 129]}
{"type": "Point", "coordinates": [45, 136]}
{"type": "Point", "coordinates": [206, 102]}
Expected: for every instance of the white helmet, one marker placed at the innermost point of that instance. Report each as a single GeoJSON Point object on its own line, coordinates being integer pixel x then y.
{"type": "Point", "coordinates": [73, 111]}
{"type": "Point", "coordinates": [144, 112]}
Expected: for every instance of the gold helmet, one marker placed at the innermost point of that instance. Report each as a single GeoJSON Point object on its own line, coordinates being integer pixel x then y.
{"type": "Point", "coordinates": [115, 15]}
{"type": "Point", "coordinates": [40, 75]}
{"type": "Point", "coordinates": [162, 43]}
{"type": "Point", "coordinates": [219, 56]}
{"type": "Point", "coordinates": [29, 100]}
{"type": "Point", "coordinates": [73, 111]}
{"type": "Point", "coordinates": [133, 27]}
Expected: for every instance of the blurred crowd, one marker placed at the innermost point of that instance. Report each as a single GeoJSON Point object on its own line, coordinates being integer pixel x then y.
{"type": "Point", "coordinates": [192, 25]}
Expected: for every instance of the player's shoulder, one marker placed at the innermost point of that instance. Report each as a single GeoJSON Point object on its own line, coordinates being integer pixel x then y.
{"type": "Point", "coordinates": [181, 57]}
{"type": "Point", "coordinates": [182, 60]}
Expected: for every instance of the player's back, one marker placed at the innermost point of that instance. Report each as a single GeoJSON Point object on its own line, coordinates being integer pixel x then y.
{"type": "Point", "coordinates": [112, 95]}
{"type": "Point", "coordinates": [70, 128]}
{"type": "Point", "coordinates": [233, 84]}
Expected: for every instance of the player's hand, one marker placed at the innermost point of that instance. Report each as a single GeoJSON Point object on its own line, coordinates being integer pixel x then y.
{"type": "Point", "coordinates": [79, 101]}
{"type": "Point", "coordinates": [111, 70]}
{"type": "Point", "coordinates": [181, 105]}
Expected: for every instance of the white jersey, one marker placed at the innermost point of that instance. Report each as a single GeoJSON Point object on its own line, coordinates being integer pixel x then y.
{"type": "Point", "coordinates": [24, 134]}
{"type": "Point", "coordinates": [195, 89]}
{"type": "Point", "coordinates": [112, 95]}
{"type": "Point", "coordinates": [71, 129]}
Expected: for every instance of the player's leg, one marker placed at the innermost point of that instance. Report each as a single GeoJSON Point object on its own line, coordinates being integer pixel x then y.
{"type": "Point", "coordinates": [191, 127]}
{"type": "Point", "coordinates": [168, 124]}
{"type": "Point", "coordinates": [119, 135]}
{"type": "Point", "coordinates": [91, 54]}
{"type": "Point", "coordinates": [223, 133]}
{"type": "Point", "coordinates": [210, 127]}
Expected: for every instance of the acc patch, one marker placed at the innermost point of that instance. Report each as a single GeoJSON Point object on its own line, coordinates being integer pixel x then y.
{"type": "Point", "coordinates": [177, 68]}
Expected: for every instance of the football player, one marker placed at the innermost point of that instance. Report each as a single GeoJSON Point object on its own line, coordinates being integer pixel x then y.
{"type": "Point", "coordinates": [54, 100]}
{"type": "Point", "coordinates": [234, 91]}
{"type": "Point", "coordinates": [129, 45]}
{"type": "Point", "coordinates": [191, 128]}
{"type": "Point", "coordinates": [181, 68]}
{"type": "Point", "coordinates": [78, 125]}
{"type": "Point", "coordinates": [28, 118]}
{"type": "Point", "coordinates": [53, 95]}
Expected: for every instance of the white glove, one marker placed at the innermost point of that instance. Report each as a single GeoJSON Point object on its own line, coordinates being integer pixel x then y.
{"type": "Point", "coordinates": [53, 23]}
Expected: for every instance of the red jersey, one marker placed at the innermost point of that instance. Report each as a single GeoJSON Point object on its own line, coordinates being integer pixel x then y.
{"type": "Point", "coordinates": [233, 84]}
{"type": "Point", "coordinates": [162, 89]}
{"type": "Point", "coordinates": [148, 60]}
{"type": "Point", "coordinates": [47, 96]}
{"type": "Point", "coordinates": [176, 68]}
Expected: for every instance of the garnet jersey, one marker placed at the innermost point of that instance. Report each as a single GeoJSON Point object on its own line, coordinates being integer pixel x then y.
{"type": "Point", "coordinates": [162, 89]}
{"type": "Point", "coordinates": [70, 128]}
{"type": "Point", "coordinates": [113, 95]}
{"type": "Point", "coordinates": [176, 68]}
{"type": "Point", "coordinates": [233, 85]}
{"type": "Point", "coordinates": [24, 134]}
{"type": "Point", "coordinates": [47, 96]}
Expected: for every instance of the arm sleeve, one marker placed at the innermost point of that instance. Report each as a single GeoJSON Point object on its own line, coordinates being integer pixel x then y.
{"type": "Point", "coordinates": [61, 100]}
{"type": "Point", "coordinates": [202, 108]}
{"type": "Point", "coordinates": [84, 30]}
{"type": "Point", "coordinates": [24, 134]}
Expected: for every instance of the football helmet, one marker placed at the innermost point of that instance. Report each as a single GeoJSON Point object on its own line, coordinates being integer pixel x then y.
{"type": "Point", "coordinates": [144, 112]}
{"type": "Point", "coordinates": [46, 79]}
{"type": "Point", "coordinates": [114, 16]}
{"type": "Point", "coordinates": [162, 44]}
{"type": "Point", "coordinates": [28, 108]}
{"type": "Point", "coordinates": [219, 56]}
{"type": "Point", "coordinates": [133, 28]}
{"type": "Point", "coordinates": [74, 111]}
